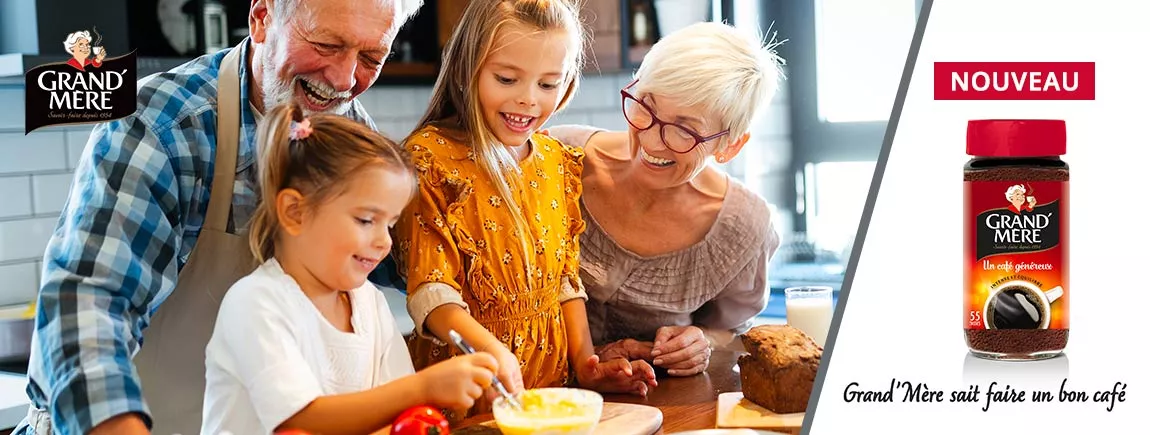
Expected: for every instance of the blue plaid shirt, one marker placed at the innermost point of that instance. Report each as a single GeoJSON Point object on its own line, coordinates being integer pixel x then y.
{"type": "Point", "coordinates": [137, 205]}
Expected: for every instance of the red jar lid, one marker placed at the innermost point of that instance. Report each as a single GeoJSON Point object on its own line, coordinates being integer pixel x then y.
{"type": "Point", "coordinates": [1016, 137]}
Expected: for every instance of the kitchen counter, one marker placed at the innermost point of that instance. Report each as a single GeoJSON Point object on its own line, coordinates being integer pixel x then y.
{"type": "Point", "coordinates": [13, 400]}
{"type": "Point", "coordinates": [15, 334]}
{"type": "Point", "coordinates": [690, 403]}
{"type": "Point", "coordinates": [687, 403]}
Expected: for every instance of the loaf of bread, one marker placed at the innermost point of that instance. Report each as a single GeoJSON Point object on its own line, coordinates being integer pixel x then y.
{"type": "Point", "coordinates": [778, 372]}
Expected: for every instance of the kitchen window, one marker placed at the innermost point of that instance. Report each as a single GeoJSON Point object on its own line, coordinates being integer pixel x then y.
{"type": "Point", "coordinates": [845, 60]}
{"type": "Point", "coordinates": [844, 63]}
{"type": "Point", "coordinates": [836, 193]}
{"type": "Point", "coordinates": [861, 47]}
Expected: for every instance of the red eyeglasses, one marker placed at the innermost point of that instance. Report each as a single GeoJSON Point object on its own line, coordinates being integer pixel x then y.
{"type": "Point", "coordinates": [676, 137]}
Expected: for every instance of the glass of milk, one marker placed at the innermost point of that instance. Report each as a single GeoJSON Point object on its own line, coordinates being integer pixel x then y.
{"type": "Point", "coordinates": [810, 309]}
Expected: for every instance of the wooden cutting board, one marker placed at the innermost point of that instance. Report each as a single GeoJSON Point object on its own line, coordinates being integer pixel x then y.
{"type": "Point", "coordinates": [617, 419]}
{"type": "Point", "coordinates": [736, 412]}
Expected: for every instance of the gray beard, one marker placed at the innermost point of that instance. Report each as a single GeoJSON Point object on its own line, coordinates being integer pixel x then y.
{"type": "Point", "coordinates": [276, 92]}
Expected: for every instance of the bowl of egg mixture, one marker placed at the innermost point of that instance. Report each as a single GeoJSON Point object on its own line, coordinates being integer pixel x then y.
{"type": "Point", "coordinates": [550, 411]}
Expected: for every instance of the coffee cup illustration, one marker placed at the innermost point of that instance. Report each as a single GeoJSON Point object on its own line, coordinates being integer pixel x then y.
{"type": "Point", "coordinates": [1019, 305]}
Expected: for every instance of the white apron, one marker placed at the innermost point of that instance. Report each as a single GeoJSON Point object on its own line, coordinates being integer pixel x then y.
{"type": "Point", "coordinates": [171, 360]}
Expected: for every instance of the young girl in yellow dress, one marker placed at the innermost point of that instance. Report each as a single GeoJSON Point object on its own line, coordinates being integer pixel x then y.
{"type": "Point", "coordinates": [490, 246]}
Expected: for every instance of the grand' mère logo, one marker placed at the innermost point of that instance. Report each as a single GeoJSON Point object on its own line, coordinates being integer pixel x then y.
{"type": "Point", "coordinates": [1021, 226]}
{"type": "Point", "coordinates": [89, 88]}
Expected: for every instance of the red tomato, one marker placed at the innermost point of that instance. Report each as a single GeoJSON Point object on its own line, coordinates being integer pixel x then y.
{"type": "Point", "coordinates": [421, 420]}
{"type": "Point", "coordinates": [292, 432]}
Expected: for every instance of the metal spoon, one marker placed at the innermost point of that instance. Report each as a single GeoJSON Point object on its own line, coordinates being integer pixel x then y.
{"type": "Point", "coordinates": [466, 348]}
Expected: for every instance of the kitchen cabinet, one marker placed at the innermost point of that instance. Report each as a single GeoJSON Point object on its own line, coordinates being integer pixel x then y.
{"type": "Point", "coordinates": [13, 401]}
{"type": "Point", "coordinates": [606, 46]}
{"type": "Point", "coordinates": [167, 33]}
{"type": "Point", "coordinates": [163, 33]}
{"type": "Point", "coordinates": [417, 61]}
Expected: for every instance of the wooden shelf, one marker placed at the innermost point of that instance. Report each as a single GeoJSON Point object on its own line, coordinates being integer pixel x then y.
{"type": "Point", "coordinates": [396, 73]}
{"type": "Point", "coordinates": [408, 69]}
{"type": "Point", "coordinates": [636, 54]}
{"type": "Point", "coordinates": [606, 51]}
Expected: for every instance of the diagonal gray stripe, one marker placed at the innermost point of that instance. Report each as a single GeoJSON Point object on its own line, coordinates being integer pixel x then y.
{"type": "Point", "coordinates": [880, 167]}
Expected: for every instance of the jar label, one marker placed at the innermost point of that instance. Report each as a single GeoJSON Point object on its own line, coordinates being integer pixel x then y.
{"type": "Point", "coordinates": [1015, 255]}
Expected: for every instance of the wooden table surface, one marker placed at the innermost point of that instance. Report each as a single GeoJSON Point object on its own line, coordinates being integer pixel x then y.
{"type": "Point", "coordinates": [688, 403]}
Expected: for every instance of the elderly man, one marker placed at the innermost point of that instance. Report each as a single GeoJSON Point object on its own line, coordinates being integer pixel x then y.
{"type": "Point", "coordinates": [134, 273]}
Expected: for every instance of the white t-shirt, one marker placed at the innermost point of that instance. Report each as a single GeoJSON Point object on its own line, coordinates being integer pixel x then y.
{"type": "Point", "coordinates": [272, 352]}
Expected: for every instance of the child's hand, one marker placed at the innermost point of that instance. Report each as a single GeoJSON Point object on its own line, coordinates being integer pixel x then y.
{"type": "Point", "coordinates": [458, 382]}
{"type": "Point", "coordinates": [509, 373]}
{"type": "Point", "coordinates": [616, 376]}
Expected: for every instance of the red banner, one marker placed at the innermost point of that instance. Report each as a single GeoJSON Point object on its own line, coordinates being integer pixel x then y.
{"type": "Point", "coordinates": [1014, 80]}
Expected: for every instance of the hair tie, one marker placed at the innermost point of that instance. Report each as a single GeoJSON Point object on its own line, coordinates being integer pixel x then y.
{"type": "Point", "coordinates": [300, 130]}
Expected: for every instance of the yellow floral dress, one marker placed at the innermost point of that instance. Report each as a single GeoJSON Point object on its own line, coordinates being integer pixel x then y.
{"type": "Point", "coordinates": [456, 244]}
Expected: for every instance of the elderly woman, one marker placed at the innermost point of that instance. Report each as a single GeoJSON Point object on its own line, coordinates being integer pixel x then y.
{"type": "Point", "coordinates": [79, 45]}
{"type": "Point", "coordinates": [675, 253]}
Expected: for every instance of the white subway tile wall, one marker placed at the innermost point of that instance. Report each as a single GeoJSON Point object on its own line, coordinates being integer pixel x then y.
{"type": "Point", "coordinates": [49, 191]}
{"type": "Point", "coordinates": [12, 111]}
{"type": "Point", "coordinates": [36, 170]}
{"type": "Point", "coordinates": [36, 152]}
{"type": "Point", "coordinates": [16, 192]}
{"type": "Point", "coordinates": [19, 280]}
{"type": "Point", "coordinates": [77, 141]}
{"type": "Point", "coordinates": [25, 239]}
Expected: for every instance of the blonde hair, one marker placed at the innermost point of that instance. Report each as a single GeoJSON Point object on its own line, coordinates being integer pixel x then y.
{"type": "Point", "coordinates": [728, 72]}
{"type": "Point", "coordinates": [318, 165]}
{"type": "Point", "coordinates": [456, 98]}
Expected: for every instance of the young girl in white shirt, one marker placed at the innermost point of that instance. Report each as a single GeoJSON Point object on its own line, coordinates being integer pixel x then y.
{"type": "Point", "coordinates": [305, 341]}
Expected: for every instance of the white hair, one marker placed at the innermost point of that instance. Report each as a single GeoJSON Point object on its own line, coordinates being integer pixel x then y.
{"type": "Point", "coordinates": [75, 37]}
{"type": "Point", "coordinates": [407, 9]}
{"type": "Point", "coordinates": [729, 73]}
{"type": "Point", "coordinates": [1015, 188]}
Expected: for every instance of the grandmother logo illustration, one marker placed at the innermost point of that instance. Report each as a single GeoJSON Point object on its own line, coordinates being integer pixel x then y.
{"type": "Point", "coordinates": [88, 88]}
{"type": "Point", "coordinates": [1019, 200]}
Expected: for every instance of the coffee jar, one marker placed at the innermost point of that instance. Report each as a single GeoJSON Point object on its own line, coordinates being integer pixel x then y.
{"type": "Point", "coordinates": [1016, 192]}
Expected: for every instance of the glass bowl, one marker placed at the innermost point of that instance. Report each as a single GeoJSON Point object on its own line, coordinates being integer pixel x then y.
{"type": "Point", "coordinates": [550, 411]}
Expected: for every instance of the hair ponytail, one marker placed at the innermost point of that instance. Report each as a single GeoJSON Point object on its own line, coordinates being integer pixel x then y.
{"type": "Point", "coordinates": [273, 139]}
{"type": "Point", "coordinates": [330, 149]}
